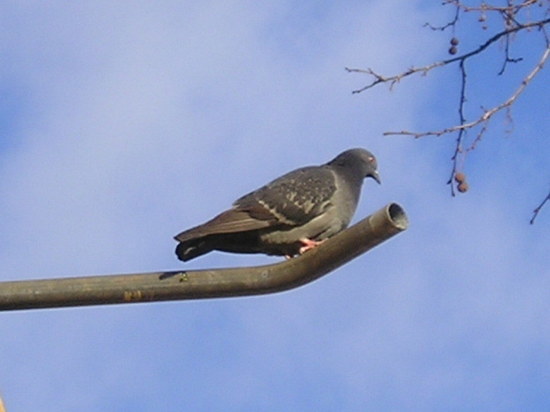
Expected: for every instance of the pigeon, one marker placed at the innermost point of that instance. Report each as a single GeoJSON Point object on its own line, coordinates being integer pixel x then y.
{"type": "Point", "coordinates": [288, 216]}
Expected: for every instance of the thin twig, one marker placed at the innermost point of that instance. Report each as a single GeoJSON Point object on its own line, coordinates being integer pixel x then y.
{"type": "Point", "coordinates": [462, 120]}
{"type": "Point", "coordinates": [452, 23]}
{"type": "Point", "coordinates": [538, 208]}
{"type": "Point", "coordinates": [507, 58]}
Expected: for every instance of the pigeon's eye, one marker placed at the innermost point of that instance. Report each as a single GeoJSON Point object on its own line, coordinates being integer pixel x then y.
{"type": "Point", "coordinates": [372, 159]}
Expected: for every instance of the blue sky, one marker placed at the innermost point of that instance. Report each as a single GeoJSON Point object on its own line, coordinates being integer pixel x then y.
{"type": "Point", "coordinates": [123, 123]}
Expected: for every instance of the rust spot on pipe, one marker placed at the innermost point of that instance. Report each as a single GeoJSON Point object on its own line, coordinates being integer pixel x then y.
{"type": "Point", "coordinates": [132, 296]}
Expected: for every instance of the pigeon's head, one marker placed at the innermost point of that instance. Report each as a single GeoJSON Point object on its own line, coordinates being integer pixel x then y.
{"type": "Point", "coordinates": [360, 160]}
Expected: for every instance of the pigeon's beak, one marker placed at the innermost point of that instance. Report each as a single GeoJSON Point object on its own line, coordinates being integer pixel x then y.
{"type": "Point", "coordinates": [376, 177]}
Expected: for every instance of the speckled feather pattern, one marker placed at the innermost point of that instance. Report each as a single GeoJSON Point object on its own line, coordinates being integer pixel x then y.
{"type": "Point", "coordinates": [294, 198]}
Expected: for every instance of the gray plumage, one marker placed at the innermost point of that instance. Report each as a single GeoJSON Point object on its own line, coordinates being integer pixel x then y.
{"type": "Point", "coordinates": [289, 215]}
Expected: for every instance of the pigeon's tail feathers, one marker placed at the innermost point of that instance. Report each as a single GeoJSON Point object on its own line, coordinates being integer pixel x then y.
{"type": "Point", "coordinates": [230, 221]}
{"type": "Point", "coordinates": [204, 238]}
{"type": "Point", "coordinates": [193, 248]}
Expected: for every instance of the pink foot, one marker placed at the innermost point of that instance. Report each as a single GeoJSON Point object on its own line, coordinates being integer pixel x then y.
{"type": "Point", "coordinates": [309, 244]}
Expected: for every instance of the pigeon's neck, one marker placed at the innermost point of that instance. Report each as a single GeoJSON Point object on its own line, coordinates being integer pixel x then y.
{"type": "Point", "coordinates": [353, 175]}
{"type": "Point", "coordinates": [353, 179]}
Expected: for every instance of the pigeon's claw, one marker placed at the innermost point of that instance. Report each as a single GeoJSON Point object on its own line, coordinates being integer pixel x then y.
{"type": "Point", "coordinates": [308, 244]}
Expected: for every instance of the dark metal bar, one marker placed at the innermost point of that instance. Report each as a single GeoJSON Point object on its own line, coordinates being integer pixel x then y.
{"type": "Point", "coordinates": [209, 283]}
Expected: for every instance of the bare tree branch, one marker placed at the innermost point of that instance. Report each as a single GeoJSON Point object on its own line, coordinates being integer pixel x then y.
{"type": "Point", "coordinates": [392, 80]}
{"type": "Point", "coordinates": [510, 9]}
{"type": "Point", "coordinates": [486, 116]}
{"type": "Point", "coordinates": [516, 16]}
{"type": "Point", "coordinates": [483, 120]}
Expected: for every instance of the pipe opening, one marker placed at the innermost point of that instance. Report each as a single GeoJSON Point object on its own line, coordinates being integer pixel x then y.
{"type": "Point", "coordinates": [398, 216]}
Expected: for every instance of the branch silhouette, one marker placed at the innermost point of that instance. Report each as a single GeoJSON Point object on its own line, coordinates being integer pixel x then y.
{"type": "Point", "coordinates": [511, 16]}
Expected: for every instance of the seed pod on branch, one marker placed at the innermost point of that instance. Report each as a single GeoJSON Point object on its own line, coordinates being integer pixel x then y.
{"type": "Point", "coordinates": [463, 187]}
{"type": "Point", "coordinates": [460, 177]}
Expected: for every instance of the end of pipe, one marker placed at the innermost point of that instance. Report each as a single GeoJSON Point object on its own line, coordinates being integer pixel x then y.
{"type": "Point", "coordinates": [397, 216]}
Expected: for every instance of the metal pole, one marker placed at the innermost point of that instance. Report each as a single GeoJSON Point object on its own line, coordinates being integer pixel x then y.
{"type": "Point", "coordinates": [208, 283]}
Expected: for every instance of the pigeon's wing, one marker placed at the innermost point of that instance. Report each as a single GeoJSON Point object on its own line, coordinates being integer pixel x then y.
{"type": "Point", "coordinates": [230, 221]}
{"type": "Point", "coordinates": [293, 199]}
